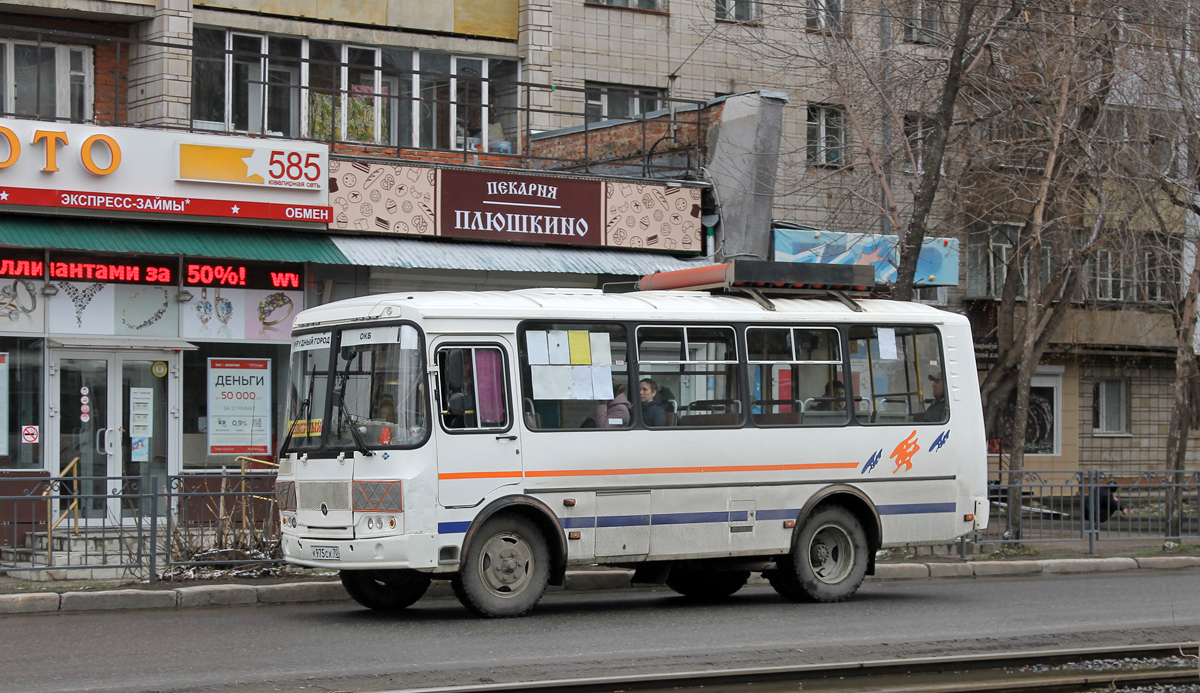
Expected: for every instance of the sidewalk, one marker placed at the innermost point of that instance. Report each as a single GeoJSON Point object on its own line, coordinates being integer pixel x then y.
{"type": "Point", "coordinates": [321, 589]}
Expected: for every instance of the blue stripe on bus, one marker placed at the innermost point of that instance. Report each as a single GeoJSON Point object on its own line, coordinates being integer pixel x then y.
{"type": "Point", "coordinates": [623, 521]}
{"type": "Point", "coordinates": [916, 508]}
{"type": "Point", "coordinates": [709, 517]}
{"type": "Point", "coordinates": [689, 518]}
{"type": "Point", "coordinates": [453, 527]}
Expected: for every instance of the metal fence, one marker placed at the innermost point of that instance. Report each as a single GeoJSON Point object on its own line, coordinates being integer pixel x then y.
{"type": "Point", "coordinates": [149, 528]}
{"type": "Point", "coordinates": [135, 527]}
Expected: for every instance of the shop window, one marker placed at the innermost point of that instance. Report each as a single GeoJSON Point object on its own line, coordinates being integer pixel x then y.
{"type": "Point", "coordinates": [46, 80]}
{"type": "Point", "coordinates": [21, 396]}
{"type": "Point", "coordinates": [797, 376]}
{"type": "Point", "coordinates": [897, 375]}
{"type": "Point", "coordinates": [397, 97]}
{"type": "Point", "coordinates": [1109, 406]}
{"type": "Point", "coordinates": [575, 376]}
{"type": "Point", "coordinates": [692, 373]}
{"type": "Point", "coordinates": [826, 135]}
{"type": "Point", "coordinates": [198, 445]}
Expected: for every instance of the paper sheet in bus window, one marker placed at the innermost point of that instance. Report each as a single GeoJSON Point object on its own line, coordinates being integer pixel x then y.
{"type": "Point", "coordinates": [560, 349]}
{"type": "Point", "coordinates": [581, 350]}
{"type": "Point", "coordinates": [536, 346]}
{"type": "Point", "coordinates": [581, 382]}
{"type": "Point", "coordinates": [887, 343]}
{"type": "Point", "coordinates": [602, 385]}
{"type": "Point", "coordinates": [601, 349]}
{"type": "Point", "coordinates": [551, 382]}
{"type": "Point", "coordinates": [408, 337]}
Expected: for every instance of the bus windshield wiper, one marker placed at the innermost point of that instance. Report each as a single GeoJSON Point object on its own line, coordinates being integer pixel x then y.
{"type": "Point", "coordinates": [304, 406]}
{"type": "Point", "coordinates": [359, 443]}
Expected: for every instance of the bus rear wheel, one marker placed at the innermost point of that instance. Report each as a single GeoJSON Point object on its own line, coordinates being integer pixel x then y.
{"type": "Point", "coordinates": [385, 590]}
{"type": "Point", "coordinates": [828, 561]}
{"type": "Point", "coordinates": [505, 570]}
{"type": "Point", "coordinates": [707, 585]}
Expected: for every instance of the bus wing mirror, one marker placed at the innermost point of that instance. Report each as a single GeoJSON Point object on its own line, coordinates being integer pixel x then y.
{"type": "Point", "coordinates": [457, 403]}
{"type": "Point", "coordinates": [452, 369]}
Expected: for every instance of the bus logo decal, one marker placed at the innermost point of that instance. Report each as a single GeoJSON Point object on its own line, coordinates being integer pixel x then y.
{"type": "Point", "coordinates": [904, 452]}
{"type": "Point", "coordinates": [870, 465]}
{"type": "Point", "coordinates": [940, 441]}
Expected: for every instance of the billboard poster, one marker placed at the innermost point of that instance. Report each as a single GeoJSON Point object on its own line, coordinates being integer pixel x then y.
{"type": "Point", "coordinates": [239, 406]}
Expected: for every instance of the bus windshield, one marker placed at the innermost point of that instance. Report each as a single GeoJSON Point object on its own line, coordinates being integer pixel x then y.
{"type": "Point", "coordinates": [307, 385]}
{"type": "Point", "coordinates": [379, 396]}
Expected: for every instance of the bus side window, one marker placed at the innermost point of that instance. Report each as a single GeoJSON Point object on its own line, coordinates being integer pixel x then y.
{"type": "Point", "coordinates": [900, 370]}
{"type": "Point", "coordinates": [574, 376]}
{"type": "Point", "coordinates": [472, 387]}
{"type": "Point", "coordinates": [797, 376]}
{"type": "Point", "coordinates": [690, 371]}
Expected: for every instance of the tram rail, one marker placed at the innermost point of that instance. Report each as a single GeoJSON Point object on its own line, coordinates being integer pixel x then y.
{"type": "Point", "coordinates": [1042, 671]}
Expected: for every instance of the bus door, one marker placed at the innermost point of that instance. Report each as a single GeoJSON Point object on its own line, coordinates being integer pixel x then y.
{"type": "Point", "coordinates": [478, 446]}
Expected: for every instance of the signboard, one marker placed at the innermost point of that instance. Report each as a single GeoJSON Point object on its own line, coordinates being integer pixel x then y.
{"type": "Point", "coordinates": [937, 265]}
{"type": "Point", "coordinates": [141, 424]}
{"type": "Point", "coordinates": [242, 275]}
{"type": "Point", "coordinates": [239, 406]}
{"type": "Point", "coordinates": [512, 207]}
{"type": "Point", "coordinates": [134, 173]}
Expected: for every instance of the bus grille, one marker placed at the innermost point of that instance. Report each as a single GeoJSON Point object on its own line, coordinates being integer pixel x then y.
{"type": "Point", "coordinates": [335, 495]}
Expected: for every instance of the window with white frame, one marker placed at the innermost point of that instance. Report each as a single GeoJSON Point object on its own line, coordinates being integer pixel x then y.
{"type": "Point", "coordinates": [1104, 278]}
{"type": "Point", "coordinates": [923, 21]}
{"type": "Point", "coordinates": [329, 90]}
{"type": "Point", "coordinates": [917, 129]}
{"type": "Point", "coordinates": [824, 15]}
{"type": "Point", "coordinates": [736, 10]}
{"type": "Point", "coordinates": [1158, 274]}
{"type": "Point", "coordinates": [826, 135]}
{"type": "Point", "coordinates": [608, 101]}
{"type": "Point", "coordinates": [1043, 425]}
{"type": "Point", "coordinates": [46, 80]}
{"type": "Point", "coordinates": [989, 256]}
{"type": "Point", "coordinates": [1109, 404]}
{"type": "Point", "coordinates": [639, 4]}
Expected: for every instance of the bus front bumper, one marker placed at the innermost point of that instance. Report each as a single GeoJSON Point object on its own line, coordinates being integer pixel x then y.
{"type": "Point", "coordinates": [412, 551]}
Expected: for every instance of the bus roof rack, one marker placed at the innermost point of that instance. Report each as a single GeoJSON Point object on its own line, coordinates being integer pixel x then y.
{"type": "Point", "coordinates": [759, 278]}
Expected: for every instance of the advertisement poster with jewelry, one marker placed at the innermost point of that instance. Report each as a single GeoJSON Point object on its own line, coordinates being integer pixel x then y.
{"type": "Point", "coordinates": [241, 300]}
{"type": "Point", "coordinates": [239, 406]}
{"type": "Point", "coordinates": [91, 294]}
{"type": "Point", "coordinates": [21, 307]}
{"type": "Point", "coordinates": [125, 172]}
{"type": "Point", "coordinates": [510, 207]}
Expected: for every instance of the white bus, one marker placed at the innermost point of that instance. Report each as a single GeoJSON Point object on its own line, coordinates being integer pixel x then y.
{"type": "Point", "coordinates": [496, 439]}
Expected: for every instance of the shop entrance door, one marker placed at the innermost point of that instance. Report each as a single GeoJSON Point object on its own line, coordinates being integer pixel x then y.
{"type": "Point", "coordinates": [118, 413]}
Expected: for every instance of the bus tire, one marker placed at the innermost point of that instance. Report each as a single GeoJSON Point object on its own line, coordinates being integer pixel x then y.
{"type": "Point", "coordinates": [505, 569]}
{"type": "Point", "coordinates": [828, 561]}
{"type": "Point", "coordinates": [707, 585]}
{"type": "Point", "coordinates": [385, 590]}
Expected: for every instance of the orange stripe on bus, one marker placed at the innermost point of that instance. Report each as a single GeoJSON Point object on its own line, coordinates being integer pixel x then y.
{"type": "Point", "coordinates": [479, 475]}
{"type": "Point", "coordinates": [696, 470]}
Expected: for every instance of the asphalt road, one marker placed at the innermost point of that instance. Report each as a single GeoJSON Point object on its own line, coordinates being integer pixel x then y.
{"type": "Point", "coordinates": [341, 647]}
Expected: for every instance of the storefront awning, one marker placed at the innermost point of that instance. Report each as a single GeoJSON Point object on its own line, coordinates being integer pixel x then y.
{"type": "Point", "coordinates": [108, 342]}
{"type": "Point", "coordinates": [419, 254]}
{"type": "Point", "coordinates": [195, 240]}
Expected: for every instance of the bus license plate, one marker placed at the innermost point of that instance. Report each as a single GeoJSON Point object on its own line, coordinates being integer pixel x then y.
{"type": "Point", "coordinates": [326, 553]}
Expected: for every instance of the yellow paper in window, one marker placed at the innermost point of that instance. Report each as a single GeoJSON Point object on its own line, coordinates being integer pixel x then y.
{"type": "Point", "coordinates": [581, 349]}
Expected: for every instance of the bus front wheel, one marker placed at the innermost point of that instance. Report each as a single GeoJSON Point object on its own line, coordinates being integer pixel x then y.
{"type": "Point", "coordinates": [385, 590]}
{"type": "Point", "coordinates": [505, 570]}
{"type": "Point", "coordinates": [827, 562]}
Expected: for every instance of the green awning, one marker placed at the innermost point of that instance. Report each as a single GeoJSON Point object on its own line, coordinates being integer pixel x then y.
{"type": "Point", "coordinates": [196, 240]}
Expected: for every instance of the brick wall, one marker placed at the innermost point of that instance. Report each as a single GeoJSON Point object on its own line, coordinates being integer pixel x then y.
{"type": "Point", "coordinates": [633, 139]}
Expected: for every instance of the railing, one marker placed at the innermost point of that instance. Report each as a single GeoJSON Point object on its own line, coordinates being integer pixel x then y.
{"type": "Point", "coordinates": [135, 527]}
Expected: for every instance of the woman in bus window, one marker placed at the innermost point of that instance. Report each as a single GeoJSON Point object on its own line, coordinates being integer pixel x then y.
{"type": "Point", "coordinates": [615, 412]}
{"type": "Point", "coordinates": [653, 412]}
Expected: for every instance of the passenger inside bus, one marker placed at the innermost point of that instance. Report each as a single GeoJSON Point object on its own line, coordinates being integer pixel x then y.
{"type": "Point", "coordinates": [460, 400]}
{"type": "Point", "coordinates": [834, 398]}
{"type": "Point", "coordinates": [653, 412]}
{"type": "Point", "coordinates": [936, 411]}
{"type": "Point", "coordinates": [615, 412]}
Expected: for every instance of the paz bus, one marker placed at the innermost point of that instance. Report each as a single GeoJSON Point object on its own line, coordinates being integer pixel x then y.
{"type": "Point", "coordinates": [745, 418]}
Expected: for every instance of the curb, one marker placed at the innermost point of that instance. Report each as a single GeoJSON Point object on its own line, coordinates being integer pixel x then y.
{"type": "Point", "coordinates": [576, 580]}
